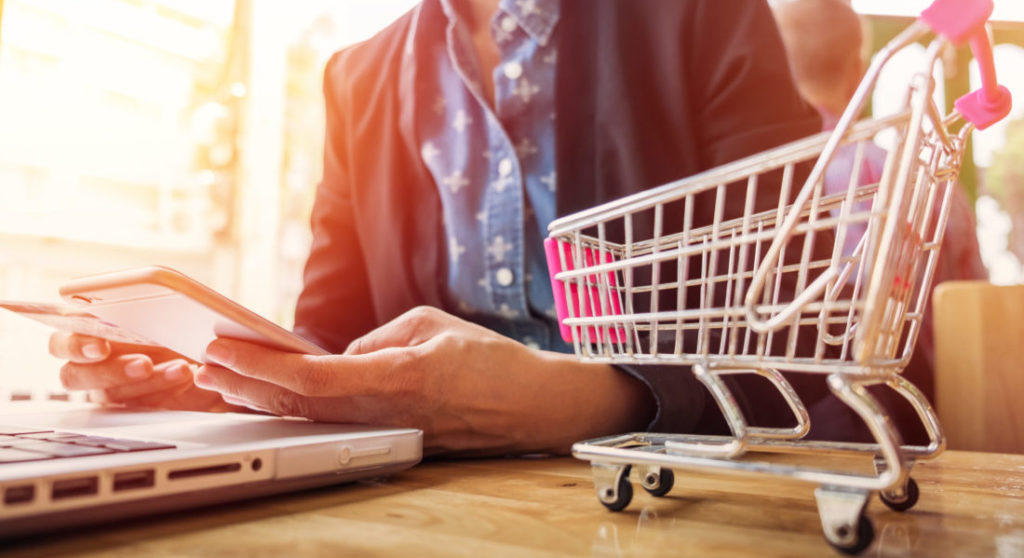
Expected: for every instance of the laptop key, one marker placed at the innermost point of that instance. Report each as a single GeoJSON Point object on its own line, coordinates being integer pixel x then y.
{"type": "Point", "coordinates": [68, 450]}
{"type": "Point", "coordinates": [137, 445]}
{"type": "Point", "coordinates": [51, 436]}
{"type": "Point", "coordinates": [97, 441]}
{"type": "Point", "coordinates": [12, 455]}
{"type": "Point", "coordinates": [14, 430]}
{"type": "Point", "coordinates": [57, 449]}
{"type": "Point", "coordinates": [17, 442]}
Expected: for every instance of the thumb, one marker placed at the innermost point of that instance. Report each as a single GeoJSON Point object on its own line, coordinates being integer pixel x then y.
{"type": "Point", "coordinates": [411, 328]}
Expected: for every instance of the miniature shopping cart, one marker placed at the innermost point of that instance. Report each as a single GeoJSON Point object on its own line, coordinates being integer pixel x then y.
{"type": "Point", "coordinates": [749, 268]}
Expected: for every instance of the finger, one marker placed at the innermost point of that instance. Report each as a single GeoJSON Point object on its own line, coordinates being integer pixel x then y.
{"type": "Point", "coordinates": [78, 348]}
{"type": "Point", "coordinates": [411, 328]}
{"type": "Point", "coordinates": [239, 402]}
{"type": "Point", "coordinates": [155, 354]}
{"type": "Point", "coordinates": [85, 349]}
{"type": "Point", "coordinates": [167, 376]}
{"type": "Point", "coordinates": [184, 397]}
{"type": "Point", "coordinates": [125, 369]}
{"type": "Point", "coordinates": [265, 396]}
{"type": "Point", "coordinates": [311, 375]}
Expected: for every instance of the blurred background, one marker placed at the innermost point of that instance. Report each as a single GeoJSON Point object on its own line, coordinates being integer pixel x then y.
{"type": "Point", "coordinates": [188, 133]}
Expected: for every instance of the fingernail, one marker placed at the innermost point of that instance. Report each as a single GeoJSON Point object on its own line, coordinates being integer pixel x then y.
{"type": "Point", "coordinates": [176, 373]}
{"type": "Point", "coordinates": [220, 354]}
{"type": "Point", "coordinates": [202, 379]}
{"type": "Point", "coordinates": [137, 369]}
{"type": "Point", "coordinates": [93, 350]}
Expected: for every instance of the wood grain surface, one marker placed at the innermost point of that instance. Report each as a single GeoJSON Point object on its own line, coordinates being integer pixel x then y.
{"type": "Point", "coordinates": [972, 504]}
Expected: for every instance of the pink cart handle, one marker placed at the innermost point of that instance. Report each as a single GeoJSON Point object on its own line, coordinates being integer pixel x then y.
{"type": "Point", "coordinates": [964, 20]}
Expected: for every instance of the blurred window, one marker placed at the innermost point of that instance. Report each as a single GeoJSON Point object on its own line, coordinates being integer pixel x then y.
{"type": "Point", "coordinates": [1009, 60]}
{"type": "Point", "coordinates": [185, 133]}
{"type": "Point", "coordinates": [99, 107]}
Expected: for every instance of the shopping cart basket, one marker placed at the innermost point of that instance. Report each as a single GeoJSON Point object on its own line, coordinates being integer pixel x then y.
{"type": "Point", "coordinates": [741, 270]}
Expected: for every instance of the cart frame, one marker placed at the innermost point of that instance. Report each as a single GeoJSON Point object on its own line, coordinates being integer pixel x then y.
{"type": "Point", "coordinates": [739, 295]}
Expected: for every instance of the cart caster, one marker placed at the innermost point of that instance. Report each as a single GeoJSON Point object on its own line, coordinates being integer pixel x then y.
{"type": "Point", "coordinates": [620, 499]}
{"type": "Point", "coordinates": [901, 500]}
{"type": "Point", "coordinates": [657, 481]}
{"type": "Point", "coordinates": [612, 485]}
{"type": "Point", "coordinates": [898, 499]}
{"type": "Point", "coordinates": [842, 518]}
{"type": "Point", "coordinates": [858, 543]}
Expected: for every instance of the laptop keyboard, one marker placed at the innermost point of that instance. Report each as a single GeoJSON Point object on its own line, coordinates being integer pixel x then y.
{"type": "Point", "coordinates": [19, 444]}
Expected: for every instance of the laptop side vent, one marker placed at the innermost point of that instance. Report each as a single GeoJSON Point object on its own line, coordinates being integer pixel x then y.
{"type": "Point", "coordinates": [133, 480]}
{"type": "Point", "coordinates": [21, 494]}
{"type": "Point", "coordinates": [72, 488]}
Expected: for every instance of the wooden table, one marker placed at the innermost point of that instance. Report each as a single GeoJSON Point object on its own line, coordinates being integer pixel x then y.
{"type": "Point", "coordinates": [972, 504]}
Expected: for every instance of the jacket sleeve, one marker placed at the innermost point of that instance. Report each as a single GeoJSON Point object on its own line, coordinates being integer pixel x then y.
{"type": "Point", "coordinates": [334, 306]}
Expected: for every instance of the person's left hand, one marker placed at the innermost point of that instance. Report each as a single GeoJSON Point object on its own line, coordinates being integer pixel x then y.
{"type": "Point", "coordinates": [471, 391]}
{"type": "Point", "coordinates": [131, 375]}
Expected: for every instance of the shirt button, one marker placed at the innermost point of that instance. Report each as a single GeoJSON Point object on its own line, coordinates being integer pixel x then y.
{"type": "Point", "coordinates": [505, 167]}
{"type": "Point", "coordinates": [505, 277]}
{"type": "Point", "coordinates": [513, 70]}
{"type": "Point", "coordinates": [508, 24]}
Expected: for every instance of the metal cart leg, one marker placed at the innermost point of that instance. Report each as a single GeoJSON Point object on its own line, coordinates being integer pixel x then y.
{"type": "Point", "coordinates": [733, 417]}
{"type": "Point", "coordinates": [925, 412]}
{"type": "Point", "coordinates": [892, 462]}
{"type": "Point", "coordinates": [785, 389]}
{"type": "Point", "coordinates": [741, 432]}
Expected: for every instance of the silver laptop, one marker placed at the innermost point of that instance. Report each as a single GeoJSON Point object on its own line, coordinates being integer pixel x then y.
{"type": "Point", "coordinates": [68, 464]}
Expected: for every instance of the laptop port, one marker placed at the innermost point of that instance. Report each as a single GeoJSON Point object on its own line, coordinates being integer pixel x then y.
{"type": "Point", "coordinates": [20, 494]}
{"type": "Point", "coordinates": [204, 471]}
{"type": "Point", "coordinates": [131, 480]}
{"type": "Point", "coordinates": [72, 488]}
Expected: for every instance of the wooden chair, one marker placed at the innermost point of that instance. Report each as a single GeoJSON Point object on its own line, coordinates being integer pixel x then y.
{"type": "Point", "coordinates": [979, 365]}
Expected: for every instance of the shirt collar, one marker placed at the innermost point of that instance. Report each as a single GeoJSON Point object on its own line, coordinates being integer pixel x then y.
{"type": "Point", "coordinates": [537, 17]}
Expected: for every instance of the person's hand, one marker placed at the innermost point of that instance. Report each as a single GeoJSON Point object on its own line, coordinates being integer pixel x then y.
{"type": "Point", "coordinates": [137, 375]}
{"type": "Point", "coordinates": [471, 391]}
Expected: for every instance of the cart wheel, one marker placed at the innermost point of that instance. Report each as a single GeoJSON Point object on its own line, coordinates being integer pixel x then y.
{"type": "Point", "coordinates": [617, 502]}
{"type": "Point", "coordinates": [865, 534]}
{"type": "Point", "coordinates": [910, 496]}
{"type": "Point", "coordinates": [658, 484]}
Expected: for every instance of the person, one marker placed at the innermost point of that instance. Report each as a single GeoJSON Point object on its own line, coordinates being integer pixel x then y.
{"type": "Point", "coordinates": [824, 43]}
{"type": "Point", "coordinates": [453, 137]}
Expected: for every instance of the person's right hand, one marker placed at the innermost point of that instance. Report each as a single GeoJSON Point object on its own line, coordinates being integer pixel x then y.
{"type": "Point", "coordinates": [136, 375]}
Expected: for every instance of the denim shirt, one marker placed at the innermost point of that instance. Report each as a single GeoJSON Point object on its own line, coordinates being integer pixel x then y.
{"type": "Point", "coordinates": [495, 169]}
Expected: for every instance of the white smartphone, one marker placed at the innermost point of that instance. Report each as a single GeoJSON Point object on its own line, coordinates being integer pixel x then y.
{"type": "Point", "coordinates": [176, 311]}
